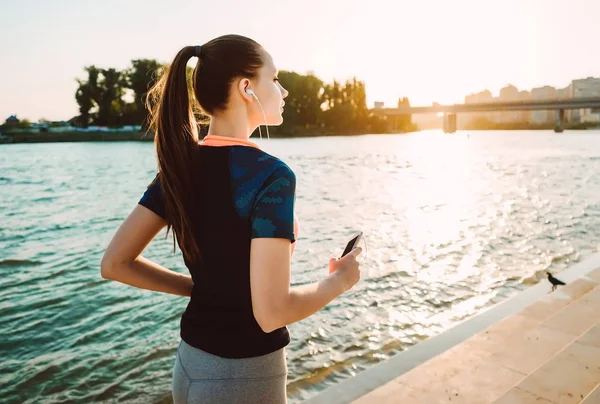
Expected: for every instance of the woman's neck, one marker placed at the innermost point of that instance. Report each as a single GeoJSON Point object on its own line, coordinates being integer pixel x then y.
{"type": "Point", "coordinates": [232, 123]}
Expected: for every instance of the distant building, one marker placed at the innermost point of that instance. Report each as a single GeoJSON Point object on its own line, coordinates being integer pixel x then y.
{"type": "Point", "coordinates": [13, 124]}
{"type": "Point", "coordinates": [582, 88]}
{"type": "Point", "coordinates": [585, 88]}
{"type": "Point", "coordinates": [379, 104]}
{"type": "Point", "coordinates": [524, 116]}
{"type": "Point", "coordinates": [482, 97]}
{"type": "Point", "coordinates": [509, 93]}
{"type": "Point", "coordinates": [542, 94]}
{"type": "Point", "coordinates": [565, 94]}
{"type": "Point", "coordinates": [12, 121]}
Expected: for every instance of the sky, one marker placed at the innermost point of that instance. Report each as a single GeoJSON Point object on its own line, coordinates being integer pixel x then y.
{"type": "Point", "coordinates": [426, 50]}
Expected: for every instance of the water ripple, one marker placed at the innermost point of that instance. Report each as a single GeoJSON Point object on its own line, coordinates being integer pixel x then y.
{"type": "Point", "coordinates": [453, 225]}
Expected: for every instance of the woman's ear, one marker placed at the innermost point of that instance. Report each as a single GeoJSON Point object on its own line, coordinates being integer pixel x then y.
{"type": "Point", "coordinates": [242, 86]}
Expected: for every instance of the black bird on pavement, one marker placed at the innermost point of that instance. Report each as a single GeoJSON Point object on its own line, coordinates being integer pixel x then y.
{"type": "Point", "coordinates": [555, 282]}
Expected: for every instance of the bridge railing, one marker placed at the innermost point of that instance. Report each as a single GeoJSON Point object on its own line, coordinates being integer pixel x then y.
{"type": "Point", "coordinates": [571, 103]}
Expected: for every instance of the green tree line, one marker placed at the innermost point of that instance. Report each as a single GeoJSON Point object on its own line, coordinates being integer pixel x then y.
{"type": "Point", "coordinates": [113, 98]}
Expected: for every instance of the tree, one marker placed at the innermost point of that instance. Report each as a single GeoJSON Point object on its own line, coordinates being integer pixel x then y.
{"type": "Point", "coordinates": [100, 98]}
{"type": "Point", "coordinates": [302, 104]}
{"type": "Point", "coordinates": [403, 122]}
{"type": "Point", "coordinates": [110, 98]}
{"type": "Point", "coordinates": [140, 77]}
{"type": "Point", "coordinates": [24, 124]}
{"type": "Point", "coordinates": [85, 96]}
{"type": "Point", "coordinates": [345, 106]}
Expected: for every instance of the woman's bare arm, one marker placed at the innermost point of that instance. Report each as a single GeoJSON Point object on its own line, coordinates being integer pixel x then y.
{"type": "Point", "coordinates": [122, 260]}
{"type": "Point", "coordinates": [275, 304]}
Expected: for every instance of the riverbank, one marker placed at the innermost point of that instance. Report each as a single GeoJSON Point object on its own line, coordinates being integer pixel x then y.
{"type": "Point", "coordinates": [539, 346]}
{"type": "Point", "coordinates": [105, 136]}
{"type": "Point", "coordinates": [128, 136]}
{"type": "Point", "coordinates": [477, 125]}
{"type": "Point", "coordinates": [54, 137]}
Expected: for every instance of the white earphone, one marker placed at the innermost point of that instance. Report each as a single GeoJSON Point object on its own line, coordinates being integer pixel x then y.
{"type": "Point", "coordinates": [249, 91]}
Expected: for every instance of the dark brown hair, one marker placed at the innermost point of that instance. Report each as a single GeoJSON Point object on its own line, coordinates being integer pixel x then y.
{"type": "Point", "coordinates": [173, 119]}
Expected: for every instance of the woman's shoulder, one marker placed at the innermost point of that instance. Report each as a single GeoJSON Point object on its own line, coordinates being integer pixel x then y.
{"type": "Point", "coordinates": [252, 162]}
{"type": "Point", "coordinates": [254, 172]}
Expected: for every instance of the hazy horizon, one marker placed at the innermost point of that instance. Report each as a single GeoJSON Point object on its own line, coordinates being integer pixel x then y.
{"type": "Point", "coordinates": [427, 51]}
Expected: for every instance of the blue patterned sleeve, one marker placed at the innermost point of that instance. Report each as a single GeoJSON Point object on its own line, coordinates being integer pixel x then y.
{"type": "Point", "coordinates": [153, 198]}
{"type": "Point", "coordinates": [273, 210]}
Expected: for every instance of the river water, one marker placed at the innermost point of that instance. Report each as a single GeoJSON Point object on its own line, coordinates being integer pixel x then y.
{"type": "Point", "coordinates": [453, 224]}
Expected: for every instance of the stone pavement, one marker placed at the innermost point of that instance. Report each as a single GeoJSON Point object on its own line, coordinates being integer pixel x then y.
{"type": "Point", "coordinates": [547, 353]}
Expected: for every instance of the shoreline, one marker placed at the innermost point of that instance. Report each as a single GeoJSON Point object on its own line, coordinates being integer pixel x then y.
{"type": "Point", "coordinates": [121, 136]}
{"type": "Point", "coordinates": [383, 381]}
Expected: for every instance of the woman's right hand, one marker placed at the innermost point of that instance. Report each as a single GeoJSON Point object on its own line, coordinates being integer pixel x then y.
{"type": "Point", "coordinates": [346, 269]}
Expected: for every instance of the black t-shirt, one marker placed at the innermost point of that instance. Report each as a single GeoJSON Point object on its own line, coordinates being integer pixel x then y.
{"type": "Point", "coordinates": [240, 193]}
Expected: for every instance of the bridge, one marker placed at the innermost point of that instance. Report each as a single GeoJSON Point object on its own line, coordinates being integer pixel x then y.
{"type": "Point", "coordinates": [450, 111]}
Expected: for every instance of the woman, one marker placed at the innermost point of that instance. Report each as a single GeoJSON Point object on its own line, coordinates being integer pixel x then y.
{"type": "Point", "coordinates": [230, 206]}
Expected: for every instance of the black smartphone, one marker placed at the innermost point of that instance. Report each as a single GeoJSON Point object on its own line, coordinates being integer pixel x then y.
{"type": "Point", "coordinates": [352, 243]}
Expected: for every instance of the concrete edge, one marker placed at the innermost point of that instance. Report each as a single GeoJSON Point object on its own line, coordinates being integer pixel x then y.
{"type": "Point", "coordinates": [368, 380]}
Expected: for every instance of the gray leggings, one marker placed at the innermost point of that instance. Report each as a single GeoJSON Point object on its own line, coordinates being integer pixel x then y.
{"type": "Point", "coordinates": [200, 377]}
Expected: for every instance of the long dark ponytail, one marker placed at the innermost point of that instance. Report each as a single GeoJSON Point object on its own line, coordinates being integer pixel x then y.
{"type": "Point", "coordinates": [173, 119]}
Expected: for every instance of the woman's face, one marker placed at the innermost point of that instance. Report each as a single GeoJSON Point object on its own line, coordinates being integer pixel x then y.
{"type": "Point", "coordinates": [270, 93]}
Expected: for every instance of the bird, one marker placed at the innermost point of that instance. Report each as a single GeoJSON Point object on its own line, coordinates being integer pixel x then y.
{"type": "Point", "coordinates": [555, 282]}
